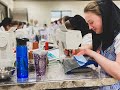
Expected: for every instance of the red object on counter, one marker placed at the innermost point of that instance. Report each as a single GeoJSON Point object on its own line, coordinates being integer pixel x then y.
{"type": "Point", "coordinates": [35, 45]}
{"type": "Point", "coordinates": [46, 46]}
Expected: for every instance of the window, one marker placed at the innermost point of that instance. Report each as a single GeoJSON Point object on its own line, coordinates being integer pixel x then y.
{"type": "Point", "coordinates": [55, 15]}
{"type": "Point", "coordinates": [66, 13]}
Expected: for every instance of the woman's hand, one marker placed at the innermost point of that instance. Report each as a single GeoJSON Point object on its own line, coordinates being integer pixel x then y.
{"type": "Point", "coordinates": [76, 51]}
{"type": "Point", "coordinates": [88, 52]}
{"type": "Point", "coordinates": [66, 52]}
{"type": "Point", "coordinates": [79, 52]}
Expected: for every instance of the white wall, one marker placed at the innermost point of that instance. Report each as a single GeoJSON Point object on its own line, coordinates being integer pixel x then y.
{"type": "Point", "coordinates": [41, 10]}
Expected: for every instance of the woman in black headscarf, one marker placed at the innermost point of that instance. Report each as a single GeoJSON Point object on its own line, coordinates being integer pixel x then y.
{"type": "Point", "coordinates": [103, 18]}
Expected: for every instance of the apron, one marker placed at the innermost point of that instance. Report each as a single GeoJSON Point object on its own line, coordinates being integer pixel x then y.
{"type": "Point", "coordinates": [110, 54]}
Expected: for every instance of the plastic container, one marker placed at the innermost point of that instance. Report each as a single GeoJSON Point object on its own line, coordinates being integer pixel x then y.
{"type": "Point", "coordinates": [22, 60]}
{"type": "Point", "coordinates": [40, 60]}
{"type": "Point", "coordinates": [46, 46]}
{"type": "Point", "coordinates": [35, 45]}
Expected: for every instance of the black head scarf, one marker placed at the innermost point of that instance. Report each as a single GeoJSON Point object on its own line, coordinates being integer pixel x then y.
{"type": "Point", "coordinates": [6, 21]}
{"type": "Point", "coordinates": [110, 21]}
{"type": "Point", "coordinates": [79, 23]}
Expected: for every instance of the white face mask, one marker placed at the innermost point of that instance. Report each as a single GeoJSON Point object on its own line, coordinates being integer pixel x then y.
{"type": "Point", "coordinates": [12, 29]}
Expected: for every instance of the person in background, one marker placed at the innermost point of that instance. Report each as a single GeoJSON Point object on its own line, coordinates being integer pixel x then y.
{"type": "Point", "coordinates": [31, 22]}
{"type": "Point", "coordinates": [36, 27]}
{"type": "Point", "coordinates": [10, 27]}
{"type": "Point", "coordinates": [20, 25]}
{"type": "Point", "coordinates": [24, 25]}
{"type": "Point", "coordinates": [64, 19]}
{"type": "Point", "coordinates": [5, 25]}
{"type": "Point", "coordinates": [103, 17]}
{"type": "Point", "coordinates": [78, 23]}
{"type": "Point", "coordinates": [44, 33]}
{"type": "Point", "coordinates": [52, 31]}
{"type": "Point", "coordinates": [45, 26]}
{"type": "Point", "coordinates": [36, 23]}
{"type": "Point", "coordinates": [15, 23]}
{"type": "Point", "coordinates": [30, 28]}
{"type": "Point", "coordinates": [59, 21]}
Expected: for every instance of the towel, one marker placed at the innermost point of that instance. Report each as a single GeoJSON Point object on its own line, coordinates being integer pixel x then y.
{"type": "Point", "coordinates": [81, 60]}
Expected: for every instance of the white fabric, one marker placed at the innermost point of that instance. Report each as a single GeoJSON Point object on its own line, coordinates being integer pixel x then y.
{"type": "Point", "coordinates": [2, 28]}
{"type": "Point", "coordinates": [44, 35]}
{"type": "Point", "coordinates": [36, 29]}
{"type": "Point", "coordinates": [87, 39]}
{"type": "Point", "coordinates": [30, 30]}
{"type": "Point", "coordinates": [117, 44]}
{"type": "Point", "coordinates": [21, 33]}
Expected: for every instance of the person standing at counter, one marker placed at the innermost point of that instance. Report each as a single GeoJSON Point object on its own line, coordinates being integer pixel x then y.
{"type": "Point", "coordinates": [103, 18]}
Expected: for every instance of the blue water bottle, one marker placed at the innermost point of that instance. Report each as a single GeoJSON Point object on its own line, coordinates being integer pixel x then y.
{"type": "Point", "coordinates": [22, 60]}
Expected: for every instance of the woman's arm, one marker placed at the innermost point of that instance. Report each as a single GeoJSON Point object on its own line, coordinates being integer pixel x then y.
{"type": "Point", "coordinates": [111, 67]}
